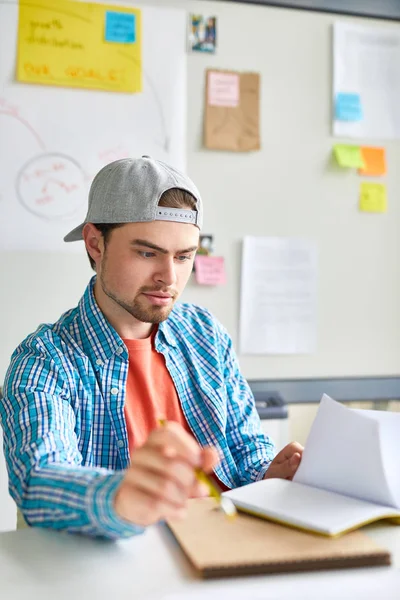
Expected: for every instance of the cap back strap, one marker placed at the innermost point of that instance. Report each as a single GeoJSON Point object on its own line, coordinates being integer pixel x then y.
{"type": "Point", "coordinates": [164, 213]}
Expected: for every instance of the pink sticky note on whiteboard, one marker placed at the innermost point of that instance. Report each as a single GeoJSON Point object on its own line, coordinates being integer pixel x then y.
{"type": "Point", "coordinates": [223, 89]}
{"type": "Point", "coordinates": [210, 270]}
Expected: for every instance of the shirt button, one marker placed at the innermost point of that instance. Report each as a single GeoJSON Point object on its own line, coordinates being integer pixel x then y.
{"type": "Point", "coordinates": [99, 361]}
{"type": "Point", "coordinates": [114, 391]}
{"type": "Point", "coordinates": [120, 443]}
{"type": "Point", "coordinates": [119, 350]}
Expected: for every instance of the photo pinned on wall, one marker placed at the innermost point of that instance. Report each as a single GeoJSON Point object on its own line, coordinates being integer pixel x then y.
{"type": "Point", "coordinates": [202, 34]}
{"type": "Point", "coordinates": [206, 246]}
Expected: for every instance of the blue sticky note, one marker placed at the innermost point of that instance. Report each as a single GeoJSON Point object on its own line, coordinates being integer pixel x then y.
{"type": "Point", "coordinates": [120, 27]}
{"type": "Point", "coordinates": [348, 107]}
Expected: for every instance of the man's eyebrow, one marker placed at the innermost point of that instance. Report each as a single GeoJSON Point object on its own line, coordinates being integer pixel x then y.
{"type": "Point", "coordinates": [148, 244]}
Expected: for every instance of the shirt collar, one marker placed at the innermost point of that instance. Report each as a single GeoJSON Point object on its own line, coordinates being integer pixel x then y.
{"type": "Point", "coordinates": [166, 330]}
{"type": "Point", "coordinates": [102, 338]}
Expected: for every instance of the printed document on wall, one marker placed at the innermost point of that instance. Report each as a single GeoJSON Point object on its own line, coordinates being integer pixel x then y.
{"type": "Point", "coordinates": [366, 82]}
{"type": "Point", "coordinates": [278, 296]}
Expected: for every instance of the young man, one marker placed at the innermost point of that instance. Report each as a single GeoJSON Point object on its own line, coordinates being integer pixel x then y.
{"type": "Point", "coordinates": [83, 397]}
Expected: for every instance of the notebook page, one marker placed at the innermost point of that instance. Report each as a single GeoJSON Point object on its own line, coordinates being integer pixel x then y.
{"type": "Point", "coordinates": [343, 454]}
{"type": "Point", "coordinates": [306, 507]}
{"type": "Point", "coordinates": [390, 444]}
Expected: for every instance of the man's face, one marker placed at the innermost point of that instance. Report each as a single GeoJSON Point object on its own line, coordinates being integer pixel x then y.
{"type": "Point", "coordinates": [145, 267]}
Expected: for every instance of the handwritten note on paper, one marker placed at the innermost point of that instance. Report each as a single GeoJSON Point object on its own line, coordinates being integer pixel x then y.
{"type": "Point", "coordinates": [349, 157]}
{"type": "Point", "coordinates": [223, 89]}
{"type": "Point", "coordinates": [210, 270]}
{"type": "Point", "coordinates": [373, 197]}
{"type": "Point", "coordinates": [374, 160]}
{"type": "Point", "coordinates": [120, 27]}
{"type": "Point", "coordinates": [348, 107]}
{"type": "Point", "coordinates": [68, 47]}
{"type": "Point", "coordinates": [232, 111]}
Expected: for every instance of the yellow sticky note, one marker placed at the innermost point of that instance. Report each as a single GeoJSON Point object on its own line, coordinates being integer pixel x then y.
{"type": "Point", "coordinates": [80, 45]}
{"type": "Point", "coordinates": [373, 197]}
{"type": "Point", "coordinates": [375, 161]}
{"type": "Point", "coordinates": [348, 156]}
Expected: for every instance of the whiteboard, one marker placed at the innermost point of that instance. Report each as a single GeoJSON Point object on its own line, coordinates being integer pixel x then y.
{"type": "Point", "coordinates": [54, 140]}
{"type": "Point", "coordinates": [289, 188]}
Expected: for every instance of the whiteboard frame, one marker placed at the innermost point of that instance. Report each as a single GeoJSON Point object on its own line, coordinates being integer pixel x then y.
{"type": "Point", "coordinates": [377, 390]}
{"type": "Point", "coordinates": [384, 9]}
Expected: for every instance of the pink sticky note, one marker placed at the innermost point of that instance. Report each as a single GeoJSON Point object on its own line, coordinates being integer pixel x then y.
{"type": "Point", "coordinates": [210, 270]}
{"type": "Point", "coordinates": [223, 89]}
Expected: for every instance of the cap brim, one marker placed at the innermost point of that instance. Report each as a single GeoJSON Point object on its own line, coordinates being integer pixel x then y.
{"type": "Point", "coordinates": [75, 235]}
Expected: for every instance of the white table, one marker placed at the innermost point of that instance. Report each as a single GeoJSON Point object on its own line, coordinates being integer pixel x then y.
{"type": "Point", "coordinates": [8, 510]}
{"type": "Point", "coordinates": [46, 565]}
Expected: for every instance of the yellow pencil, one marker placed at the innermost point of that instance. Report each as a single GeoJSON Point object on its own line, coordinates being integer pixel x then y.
{"type": "Point", "coordinates": [225, 504]}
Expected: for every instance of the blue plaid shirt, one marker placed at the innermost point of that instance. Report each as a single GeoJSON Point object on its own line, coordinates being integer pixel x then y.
{"type": "Point", "coordinates": [65, 437]}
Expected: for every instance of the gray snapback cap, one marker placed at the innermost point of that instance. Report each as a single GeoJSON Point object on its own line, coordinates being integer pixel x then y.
{"type": "Point", "coordinates": [129, 190]}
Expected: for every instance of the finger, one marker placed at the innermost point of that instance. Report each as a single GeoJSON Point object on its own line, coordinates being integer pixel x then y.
{"type": "Point", "coordinates": [159, 487]}
{"type": "Point", "coordinates": [151, 459]}
{"type": "Point", "coordinates": [209, 459]}
{"type": "Point", "coordinates": [143, 509]}
{"type": "Point", "coordinates": [285, 469]}
{"type": "Point", "coordinates": [176, 515]}
{"type": "Point", "coordinates": [199, 490]}
{"type": "Point", "coordinates": [288, 451]}
{"type": "Point", "coordinates": [292, 465]}
{"type": "Point", "coordinates": [173, 441]}
{"type": "Point", "coordinates": [295, 459]}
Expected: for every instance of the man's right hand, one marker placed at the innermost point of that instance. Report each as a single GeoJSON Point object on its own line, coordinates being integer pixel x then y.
{"type": "Point", "coordinates": [161, 477]}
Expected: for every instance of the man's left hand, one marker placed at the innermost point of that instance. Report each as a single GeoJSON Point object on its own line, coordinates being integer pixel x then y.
{"type": "Point", "coordinates": [285, 463]}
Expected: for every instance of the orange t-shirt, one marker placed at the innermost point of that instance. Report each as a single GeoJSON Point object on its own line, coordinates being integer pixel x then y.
{"type": "Point", "coordinates": [150, 394]}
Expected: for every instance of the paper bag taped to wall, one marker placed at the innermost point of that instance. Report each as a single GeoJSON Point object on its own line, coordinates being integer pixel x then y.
{"type": "Point", "coordinates": [232, 114]}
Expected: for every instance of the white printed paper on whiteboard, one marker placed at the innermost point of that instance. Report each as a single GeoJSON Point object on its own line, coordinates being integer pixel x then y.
{"type": "Point", "coordinates": [278, 296]}
{"type": "Point", "coordinates": [367, 66]}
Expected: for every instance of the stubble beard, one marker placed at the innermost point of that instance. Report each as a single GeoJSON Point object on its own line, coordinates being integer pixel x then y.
{"type": "Point", "coordinates": [145, 314]}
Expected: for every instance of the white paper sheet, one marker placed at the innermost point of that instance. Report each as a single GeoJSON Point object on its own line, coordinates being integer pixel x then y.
{"type": "Point", "coordinates": [367, 63]}
{"type": "Point", "coordinates": [305, 506]}
{"type": "Point", "coordinates": [389, 423]}
{"type": "Point", "coordinates": [278, 296]}
{"type": "Point", "coordinates": [343, 454]}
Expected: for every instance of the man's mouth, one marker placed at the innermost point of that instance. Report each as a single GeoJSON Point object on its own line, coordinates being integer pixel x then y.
{"type": "Point", "coordinates": [158, 298]}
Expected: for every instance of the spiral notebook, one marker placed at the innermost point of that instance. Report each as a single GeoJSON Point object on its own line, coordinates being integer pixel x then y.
{"type": "Point", "coordinates": [218, 547]}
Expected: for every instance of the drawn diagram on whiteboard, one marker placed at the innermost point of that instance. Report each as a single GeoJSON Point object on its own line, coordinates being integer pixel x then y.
{"type": "Point", "coordinates": [51, 185]}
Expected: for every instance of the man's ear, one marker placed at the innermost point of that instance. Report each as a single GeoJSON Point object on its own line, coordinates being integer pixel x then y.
{"type": "Point", "coordinates": [94, 242]}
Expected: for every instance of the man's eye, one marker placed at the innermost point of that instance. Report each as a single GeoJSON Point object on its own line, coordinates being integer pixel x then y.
{"type": "Point", "coordinates": [146, 254]}
{"type": "Point", "coordinates": [183, 258]}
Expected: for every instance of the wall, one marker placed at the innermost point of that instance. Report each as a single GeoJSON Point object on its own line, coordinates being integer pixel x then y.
{"type": "Point", "coordinates": [288, 189]}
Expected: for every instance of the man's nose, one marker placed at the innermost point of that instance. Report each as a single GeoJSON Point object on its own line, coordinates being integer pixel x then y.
{"type": "Point", "coordinates": [166, 274]}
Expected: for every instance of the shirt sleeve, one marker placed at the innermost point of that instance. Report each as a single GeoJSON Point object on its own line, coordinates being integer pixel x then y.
{"type": "Point", "coordinates": [47, 480]}
{"type": "Point", "coordinates": [251, 449]}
